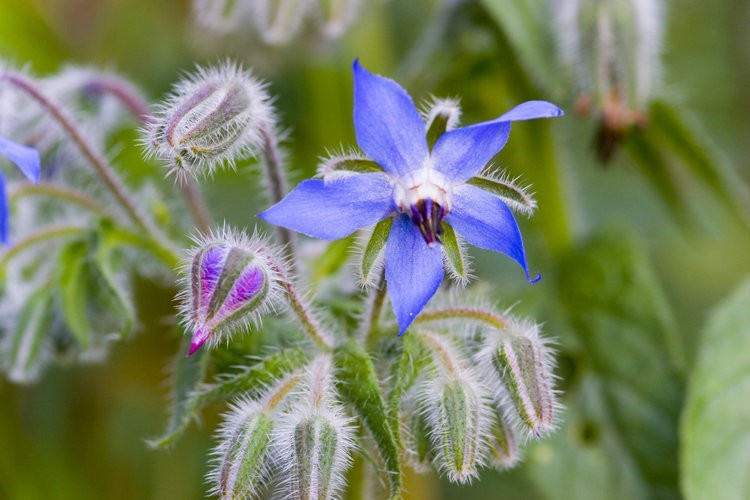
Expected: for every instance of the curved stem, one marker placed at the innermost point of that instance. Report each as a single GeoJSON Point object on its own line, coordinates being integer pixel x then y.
{"type": "Point", "coordinates": [40, 237]}
{"type": "Point", "coordinates": [197, 206]}
{"type": "Point", "coordinates": [277, 185]}
{"type": "Point", "coordinates": [102, 168]}
{"type": "Point", "coordinates": [60, 192]}
{"type": "Point", "coordinates": [471, 313]}
{"type": "Point", "coordinates": [304, 312]}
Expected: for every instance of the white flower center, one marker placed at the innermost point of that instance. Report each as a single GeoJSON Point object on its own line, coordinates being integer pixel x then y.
{"type": "Point", "coordinates": [425, 195]}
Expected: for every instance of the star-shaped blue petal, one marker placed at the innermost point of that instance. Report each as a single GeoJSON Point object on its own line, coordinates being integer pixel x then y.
{"type": "Point", "coordinates": [27, 160]}
{"type": "Point", "coordinates": [419, 188]}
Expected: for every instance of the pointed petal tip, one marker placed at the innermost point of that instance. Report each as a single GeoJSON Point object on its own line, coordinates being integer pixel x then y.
{"type": "Point", "coordinates": [200, 336]}
{"type": "Point", "coordinates": [535, 279]}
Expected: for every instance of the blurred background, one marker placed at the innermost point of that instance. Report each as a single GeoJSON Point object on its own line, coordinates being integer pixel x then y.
{"type": "Point", "coordinates": [642, 227]}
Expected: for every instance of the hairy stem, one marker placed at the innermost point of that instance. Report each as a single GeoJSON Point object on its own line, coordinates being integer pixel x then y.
{"type": "Point", "coordinates": [471, 313]}
{"type": "Point", "coordinates": [60, 192]}
{"type": "Point", "coordinates": [197, 206]}
{"type": "Point", "coordinates": [277, 185]}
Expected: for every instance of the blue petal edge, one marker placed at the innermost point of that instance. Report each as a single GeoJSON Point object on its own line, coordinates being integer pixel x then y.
{"type": "Point", "coordinates": [25, 158]}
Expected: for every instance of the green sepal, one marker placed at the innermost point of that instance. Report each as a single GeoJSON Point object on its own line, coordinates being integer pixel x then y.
{"type": "Point", "coordinates": [315, 443]}
{"type": "Point", "coordinates": [358, 384]}
{"type": "Point", "coordinates": [250, 446]}
{"type": "Point", "coordinates": [455, 254]}
{"type": "Point", "coordinates": [506, 190]}
{"type": "Point", "coordinates": [411, 360]}
{"type": "Point", "coordinates": [27, 338]}
{"type": "Point", "coordinates": [249, 382]}
{"type": "Point", "coordinates": [436, 128]}
{"type": "Point", "coordinates": [373, 249]}
{"type": "Point", "coordinates": [350, 164]}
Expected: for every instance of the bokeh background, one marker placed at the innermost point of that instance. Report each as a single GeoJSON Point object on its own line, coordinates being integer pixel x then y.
{"type": "Point", "coordinates": [79, 433]}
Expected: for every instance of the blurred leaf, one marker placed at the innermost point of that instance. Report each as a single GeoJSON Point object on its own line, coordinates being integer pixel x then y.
{"type": "Point", "coordinates": [616, 306]}
{"type": "Point", "coordinates": [250, 382]}
{"type": "Point", "coordinates": [335, 256]}
{"type": "Point", "coordinates": [716, 422]}
{"type": "Point", "coordinates": [359, 386]}
{"type": "Point", "coordinates": [673, 129]}
{"type": "Point", "coordinates": [527, 26]}
{"type": "Point", "coordinates": [188, 373]}
{"type": "Point", "coordinates": [93, 304]}
{"type": "Point", "coordinates": [32, 328]}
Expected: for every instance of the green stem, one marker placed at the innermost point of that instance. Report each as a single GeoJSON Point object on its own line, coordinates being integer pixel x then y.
{"type": "Point", "coordinates": [277, 185]}
{"type": "Point", "coordinates": [40, 237]}
{"type": "Point", "coordinates": [375, 303]}
{"type": "Point", "coordinates": [471, 313]}
{"type": "Point", "coordinates": [197, 206]}
{"type": "Point", "coordinates": [60, 192]}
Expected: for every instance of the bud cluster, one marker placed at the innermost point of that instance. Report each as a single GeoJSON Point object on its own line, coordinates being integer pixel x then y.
{"type": "Point", "coordinates": [295, 432]}
{"type": "Point", "coordinates": [213, 118]}
{"type": "Point", "coordinates": [276, 22]}
{"type": "Point", "coordinates": [482, 392]}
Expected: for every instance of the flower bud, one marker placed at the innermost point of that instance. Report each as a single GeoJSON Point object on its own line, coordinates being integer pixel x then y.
{"type": "Point", "coordinates": [458, 425]}
{"type": "Point", "coordinates": [314, 441]}
{"type": "Point", "coordinates": [230, 285]}
{"type": "Point", "coordinates": [524, 363]}
{"type": "Point", "coordinates": [214, 117]}
{"type": "Point", "coordinates": [504, 450]}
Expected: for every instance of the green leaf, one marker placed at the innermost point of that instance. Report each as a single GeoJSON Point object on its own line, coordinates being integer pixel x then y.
{"type": "Point", "coordinates": [459, 265]}
{"type": "Point", "coordinates": [674, 130]}
{"type": "Point", "coordinates": [359, 386]}
{"type": "Point", "coordinates": [250, 381]}
{"type": "Point", "coordinates": [348, 163]}
{"type": "Point", "coordinates": [334, 257]}
{"type": "Point", "coordinates": [24, 357]}
{"type": "Point", "coordinates": [527, 26]}
{"type": "Point", "coordinates": [92, 303]}
{"type": "Point", "coordinates": [716, 421]}
{"type": "Point", "coordinates": [189, 372]}
{"type": "Point", "coordinates": [512, 194]}
{"type": "Point", "coordinates": [627, 340]}
{"type": "Point", "coordinates": [374, 248]}
{"type": "Point", "coordinates": [436, 128]}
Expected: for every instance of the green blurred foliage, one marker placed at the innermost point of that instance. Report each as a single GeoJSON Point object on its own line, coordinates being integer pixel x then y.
{"type": "Point", "coordinates": [629, 315]}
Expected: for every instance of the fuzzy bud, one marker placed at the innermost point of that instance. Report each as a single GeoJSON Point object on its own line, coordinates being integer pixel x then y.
{"type": "Point", "coordinates": [241, 460]}
{"type": "Point", "coordinates": [456, 411]}
{"type": "Point", "coordinates": [524, 363]}
{"type": "Point", "coordinates": [214, 117]}
{"type": "Point", "coordinates": [314, 440]}
{"type": "Point", "coordinates": [231, 284]}
{"type": "Point", "coordinates": [504, 450]}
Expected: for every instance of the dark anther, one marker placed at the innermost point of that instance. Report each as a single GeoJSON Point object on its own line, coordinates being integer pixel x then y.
{"type": "Point", "coordinates": [428, 217]}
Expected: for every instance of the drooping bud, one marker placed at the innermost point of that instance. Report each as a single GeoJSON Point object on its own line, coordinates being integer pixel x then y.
{"type": "Point", "coordinates": [524, 363]}
{"type": "Point", "coordinates": [314, 440]}
{"type": "Point", "coordinates": [241, 459]}
{"type": "Point", "coordinates": [457, 413]}
{"type": "Point", "coordinates": [214, 117]}
{"type": "Point", "coordinates": [230, 285]}
{"type": "Point", "coordinates": [504, 450]}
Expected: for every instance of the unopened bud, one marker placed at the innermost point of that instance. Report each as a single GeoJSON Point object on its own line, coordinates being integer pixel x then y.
{"type": "Point", "coordinates": [504, 450]}
{"type": "Point", "coordinates": [213, 118]}
{"type": "Point", "coordinates": [230, 285]}
{"type": "Point", "coordinates": [524, 363]}
{"type": "Point", "coordinates": [458, 424]}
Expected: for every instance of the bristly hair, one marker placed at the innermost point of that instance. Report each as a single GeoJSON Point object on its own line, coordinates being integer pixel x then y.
{"type": "Point", "coordinates": [518, 196]}
{"type": "Point", "coordinates": [266, 257]}
{"type": "Point", "coordinates": [450, 107]}
{"type": "Point", "coordinates": [195, 103]}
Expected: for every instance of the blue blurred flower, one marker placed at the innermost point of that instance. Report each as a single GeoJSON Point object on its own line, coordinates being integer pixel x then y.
{"type": "Point", "coordinates": [27, 160]}
{"type": "Point", "coordinates": [421, 188]}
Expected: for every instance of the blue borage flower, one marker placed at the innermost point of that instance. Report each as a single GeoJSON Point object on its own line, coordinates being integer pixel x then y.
{"type": "Point", "coordinates": [27, 161]}
{"type": "Point", "coordinates": [421, 188]}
